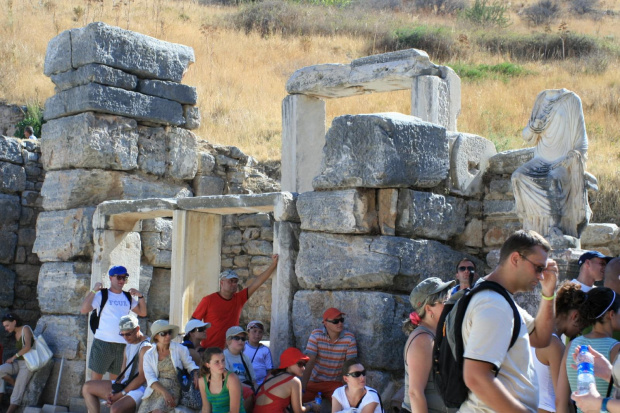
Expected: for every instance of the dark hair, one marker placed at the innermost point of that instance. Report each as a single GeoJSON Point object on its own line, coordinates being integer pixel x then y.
{"type": "Point", "coordinates": [29, 129]}
{"type": "Point", "coordinates": [13, 317]}
{"type": "Point", "coordinates": [569, 296]}
{"type": "Point", "coordinates": [458, 264]}
{"type": "Point", "coordinates": [347, 365]}
{"type": "Point", "coordinates": [206, 358]}
{"type": "Point", "coordinates": [599, 301]}
{"type": "Point", "coordinates": [522, 242]}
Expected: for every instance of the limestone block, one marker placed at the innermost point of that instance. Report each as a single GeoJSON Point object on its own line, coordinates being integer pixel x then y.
{"type": "Point", "coordinates": [473, 234]}
{"type": "Point", "coordinates": [7, 280]}
{"type": "Point", "coordinates": [501, 186]}
{"type": "Point", "coordinates": [599, 234]}
{"type": "Point", "coordinates": [146, 279]}
{"type": "Point", "coordinates": [169, 90]}
{"type": "Point", "coordinates": [242, 260]}
{"type": "Point", "coordinates": [192, 117]}
{"type": "Point", "coordinates": [30, 199]}
{"type": "Point", "coordinates": [258, 247]}
{"type": "Point", "coordinates": [429, 215]}
{"type": "Point", "coordinates": [373, 317]}
{"type": "Point", "coordinates": [266, 233]}
{"type": "Point", "coordinates": [251, 233]}
{"type": "Point", "coordinates": [170, 152]}
{"type": "Point", "coordinates": [34, 389]}
{"type": "Point", "coordinates": [232, 237]}
{"type": "Point", "coordinates": [383, 150]}
{"type": "Point", "coordinates": [64, 334]}
{"type": "Point", "coordinates": [469, 161]}
{"type": "Point", "coordinates": [12, 178]}
{"type": "Point", "coordinates": [79, 187]}
{"type": "Point", "coordinates": [90, 140]}
{"type": "Point", "coordinates": [104, 75]}
{"type": "Point", "coordinates": [114, 101]}
{"type": "Point", "coordinates": [11, 209]}
{"type": "Point", "coordinates": [388, 210]}
{"type": "Point", "coordinates": [508, 161]}
{"type": "Point", "coordinates": [152, 150]}
{"type": "Point", "coordinates": [379, 73]}
{"type": "Point", "coordinates": [74, 277]}
{"type": "Point", "coordinates": [285, 207]}
{"type": "Point", "coordinates": [206, 163]}
{"type": "Point", "coordinates": [254, 220]}
{"type": "Point", "coordinates": [500, 208]}
{"type": "Point", "coordinates": [437, 99]}
{"type": "Point", "coordinates": [498, 231]}
{"type": "Point", "coordinates": [350, 211]}
{"type": "Point", "coordinates": [73, 374]}
{"type": "Point", "coordinates": [10, 150]}
{"type": "Point", "coordinates": [8, 243]}
{"type": "Point", "coordinates": [112, 46]}
{"type": "Point", "coordinates": [158, 303]}
{"type": "Point", "coordinates": [64, 235]}
{"type": "Point", "coordinates": [157, 225]}
{"type": "Point", "coordinates": [26, 237]}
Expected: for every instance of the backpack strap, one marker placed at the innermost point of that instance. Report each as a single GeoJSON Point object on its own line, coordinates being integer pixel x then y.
{"type": "Point", "coordinates": [104, 299]}
{"type": "Point", "coordinates": [128, 296]}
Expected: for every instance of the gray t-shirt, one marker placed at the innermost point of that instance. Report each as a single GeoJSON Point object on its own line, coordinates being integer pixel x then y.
{"type": "Point", "coordinates": [487, 330]}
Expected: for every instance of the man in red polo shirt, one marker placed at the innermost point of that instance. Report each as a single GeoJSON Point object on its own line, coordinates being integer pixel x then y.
{"type": "Point", "coordinates": [223, 308]}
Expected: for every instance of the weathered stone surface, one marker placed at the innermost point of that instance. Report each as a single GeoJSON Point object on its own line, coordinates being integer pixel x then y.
{"type": "Point", "coordinates": [95, 73]}
{"type": "Point", "coordinates": [232, 237]}
{"type": "Point", "coordinates": [64, 334]}
{"type": "Point", "coordinates": [192, 117]}
{"type": "Point", "coordinates": [64, 235]}
{"type": "Point", "coordinates": [122, 49]}
{"type": "Point", "coordinates": [350, 211]}
{"type": "Point", "coordinates": [27, 273]}
{"type": "Point", "coordinates": [285, 207]}
{"type": "Point", "coordinates": [388, 210]}
{"type": "Point", "coordinates": [254, 220]}
{"type": "Point", "coordinates": [8, 243]}
{"type": "Point", "coordinates": [25, 237]}
{"type": "Point", "coordinates": [501, 186]}
{"type": "Point", "coordinates": [158, 303]}
{"type": "Point", "coordinates": [73, 374]}
{"type": "Point", "coordinates": [34, 390]}
{"type": "Point", "coordinates": [10, 115]}
{"type": "Point", "coordinates": [379, 73]}
{"type": "Point", "coordinates": [383, 150]}
{"type": "Point", "coordinates": [374, 317]}
{"type": "Point", "coordinates": [473, 234]}
{"type": "Point", "coordinates": [157, 225]}
{"type": "Point", "coordinates": [500, 208]}
{"type": "Point", "coordinates": [206, 163]}
{"type": "Point", "coordinates": [600, 234]}
{"type": "Point", "coordinates": [74, 277]}
{"type": "Point", "coordinates": [146, 279]}
{"type": "Point", "coordinates": [90, 140]}
{"type": "Point", "coordinates": [167, 151]}
{"type": "Point", "coordinates": [208, 185]}
{"type": "Point", "coordinates": [499, 231]}
{"type": "Point", "coordinates": [508, 161]}
{"type": "Point", "coordinates": [7, 280]}
{"type": "Point", "coordinates": [258, 247]}
{"type": "Point", "coordinates": [80, 187]}
{"type": "Point", "coordinates": [115, 101]}
{"type": "Point", "coordinates": [10, 150]}
{"type": "Point", "coordinates": [12, 178]}
{"type": "Point", "coordinates": [468, 163]}
{"type": "Point", "coordinates": [429, 215]}
{"type": "Point", "coordinates": [10, 207]}
{"type": "Point", "coordinates": [157, 246]}
{"type": "Point", "coordinates": [169, 90]}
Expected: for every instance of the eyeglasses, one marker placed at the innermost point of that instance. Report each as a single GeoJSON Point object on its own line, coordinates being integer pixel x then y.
{"type": "Point", "coordinates": [336, 321]}
{"type": "Point", "coordinates": [357, 374]}
{"type": "Point", "coordinates": [539, 268]}
{"type": "Point", "coordinates": [199, 330]}
{"type": "Point", "coordinates": [468, 268]}
{"type": "Point", "coordinates": [239, 338]}
{"type": "Point", "coordinates": [165, 333]}
{"type": "Point", "coordinates": [122, 277]}
{"type": "Point", "coordinates": [127, 334]}
{"type": "Point", "coordinates": [302, 363]}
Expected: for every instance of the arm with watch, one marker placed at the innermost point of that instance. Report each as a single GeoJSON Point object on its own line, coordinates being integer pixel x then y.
{"type": "Point", "coordinates": [140, 309]}
{"type": "Point", "coordinates": [592, 402]}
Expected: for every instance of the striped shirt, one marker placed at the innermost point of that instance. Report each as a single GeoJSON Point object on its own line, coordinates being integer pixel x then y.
{"type": "Point", "coordinates": [330, 357]}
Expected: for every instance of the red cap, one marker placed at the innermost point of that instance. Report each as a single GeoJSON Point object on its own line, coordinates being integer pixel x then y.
{"type": "Point", "coordinates": [291, 356]}
{"type": "Point", "coordinates": [332, 313]}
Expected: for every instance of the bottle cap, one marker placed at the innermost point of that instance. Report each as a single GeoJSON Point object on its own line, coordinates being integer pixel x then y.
{"type": "Point", "coordinates": [583, 348]}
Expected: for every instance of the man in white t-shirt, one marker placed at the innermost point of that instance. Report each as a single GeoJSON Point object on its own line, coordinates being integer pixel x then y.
{"type": "Point", "coordinates": [487, 330]}
{"type": "Point", "coordinates": [106, 353]}
{"type": "Point", "coordinates": [591, 268]}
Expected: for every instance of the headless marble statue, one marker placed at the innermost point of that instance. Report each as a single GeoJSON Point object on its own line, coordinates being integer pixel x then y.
{"type": "Point", "coordinates": [551, 189]}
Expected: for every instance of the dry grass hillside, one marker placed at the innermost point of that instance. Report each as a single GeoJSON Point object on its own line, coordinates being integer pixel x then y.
{"type": "Point", "coordinates": [245, 53]}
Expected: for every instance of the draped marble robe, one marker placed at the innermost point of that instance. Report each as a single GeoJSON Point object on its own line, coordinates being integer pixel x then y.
{"type": "Point", "coordinates": [550, 190]}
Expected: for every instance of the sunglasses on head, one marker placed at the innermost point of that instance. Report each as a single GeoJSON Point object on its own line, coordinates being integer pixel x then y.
{"type": "Point", "coordinates": [336, 321]}
{"type": "Point", "coordinates": [10, 317]}
{"type": "Point", "coordinates": [165, 333]}
{"type": "Point", "coordinates": [239, 338]}
{"type": "Point", "coordinates": [468, 268]}
{"type": "Point", "coordinates": [199, 329]}
{"type": "Point", "coordinates": [357, 374]}
{"type": "Point", "coordinates": [126, 334]}
{"type": "Point", "coordinates": [302, 363]}
{"type": "Point", "coordinates": [122, 277]}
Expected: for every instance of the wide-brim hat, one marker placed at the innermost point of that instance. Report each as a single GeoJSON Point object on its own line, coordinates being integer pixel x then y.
{"type": "Point", "coordinates": [193, 323]}
{"type": "Point", "coordinates": [427, 287]}
{"type": "Point", "coordinates": [291, 356]}
{"type": "Point", "coordinates": [163, 325]}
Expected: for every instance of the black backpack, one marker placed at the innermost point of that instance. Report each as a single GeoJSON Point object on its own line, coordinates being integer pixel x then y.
{"type": "Point", "coordinates": [95, 315]}
{"type": "Point", "coordinates": [448, 348]}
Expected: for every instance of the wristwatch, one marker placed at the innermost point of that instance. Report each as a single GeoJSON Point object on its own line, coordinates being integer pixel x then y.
{"type": "Point", "coordinates": [124, 393]}
{"type": "Point", "coordinates": [604, 405]}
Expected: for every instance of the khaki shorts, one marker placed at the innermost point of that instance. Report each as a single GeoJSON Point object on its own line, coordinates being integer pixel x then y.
{"type": "Point", "coordinates": [106, 357]}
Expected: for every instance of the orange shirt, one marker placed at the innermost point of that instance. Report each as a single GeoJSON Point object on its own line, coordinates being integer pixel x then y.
{"type": "Point", "coordinates": [222, 314]}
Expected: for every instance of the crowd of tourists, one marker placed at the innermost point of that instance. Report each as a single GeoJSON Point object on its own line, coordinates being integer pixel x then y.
{"type": "Point", "coordinates": [499, 358]}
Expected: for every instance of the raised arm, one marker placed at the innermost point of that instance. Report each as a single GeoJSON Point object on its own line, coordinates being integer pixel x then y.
{"type": "Point", "coordinates": [545, 318]}
{"type": "Point", "coordinates": [87, 304]}
{"type": "Point", "coordinates": [264, 276]}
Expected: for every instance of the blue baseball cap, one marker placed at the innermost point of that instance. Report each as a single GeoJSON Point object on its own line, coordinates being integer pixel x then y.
{"type": "Point", "coordinates": [592, 254]}
{"type": "Point", "coordinates": [117, 270]}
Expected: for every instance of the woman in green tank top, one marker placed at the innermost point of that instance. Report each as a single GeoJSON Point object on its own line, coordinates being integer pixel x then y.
{"type": "Point", "coordinates": [220, 389]}
{"type": "Point", "coordinates": [16, 366]}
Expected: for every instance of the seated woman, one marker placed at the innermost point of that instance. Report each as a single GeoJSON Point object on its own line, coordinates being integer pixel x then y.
{"type": "Point", "coordinates": [16, 366]}
{"type": "Point", "coordinates": [282, 387]}
{"type": "Point", "coordinates": [220, 389]}
{"type": "Point", "coordinates": [160, 369]}
{"type": "Point", "coordinates": [240, 364]}
{"type": "Point", "coordinates": [355, 394]}
{"type": "Point", "coordinates": [195, 332]}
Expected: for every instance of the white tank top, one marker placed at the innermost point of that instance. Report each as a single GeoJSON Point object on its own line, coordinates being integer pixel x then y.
{"type": "Point", "coordinates": [546, 393]}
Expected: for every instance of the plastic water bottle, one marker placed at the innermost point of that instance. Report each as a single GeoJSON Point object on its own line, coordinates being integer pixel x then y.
{"type": "Point", "coordinates": [585, 370]}
{"type": "Point", "coordinates": [318, 399]}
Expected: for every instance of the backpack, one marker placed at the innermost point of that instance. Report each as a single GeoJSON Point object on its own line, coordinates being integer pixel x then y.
{"type": "Point", "coordinates": [448, 348]}
{"type": "Point", "coordinates": [95, 315]}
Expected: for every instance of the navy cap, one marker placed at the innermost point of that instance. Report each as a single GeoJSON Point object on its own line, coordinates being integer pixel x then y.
{"type": "Point", "coordinates": [117, 270]}
{"type": "Point", "coordinates": [592, 254]}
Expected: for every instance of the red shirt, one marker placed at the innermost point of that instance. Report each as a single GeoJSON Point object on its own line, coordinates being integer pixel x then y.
{"type": "Point", "coordinates": [222, 314]}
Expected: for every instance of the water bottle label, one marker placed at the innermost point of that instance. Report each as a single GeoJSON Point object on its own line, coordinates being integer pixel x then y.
{"type": "Point", "coordinates": [585, 368]}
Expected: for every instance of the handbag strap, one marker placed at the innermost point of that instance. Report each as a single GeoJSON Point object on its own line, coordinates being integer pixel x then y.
{"type": "Point", "coordinates": [257, 348]}
{"type": "Point", "coordinates": [610, 387]}
{"type": "Point", "coordinates": [248, 371]}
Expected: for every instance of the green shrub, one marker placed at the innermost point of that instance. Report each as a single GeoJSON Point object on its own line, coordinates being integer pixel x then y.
{"type": "Point", "coordinates": [543, 12]}
{"type": "Point", "coordinates": [436, 41]}
{"type": "Point", "coordinates": [485, 13]}
{"type": "Point", "coordinates": [503, 71]}
{"type": "Point", "coordinates": [33, 117]}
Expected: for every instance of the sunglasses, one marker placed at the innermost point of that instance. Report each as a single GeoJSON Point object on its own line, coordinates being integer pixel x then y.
{"type": "Point", "coordinates": [10, 317]}
{"type": "Point", "coordinates": [239, 338]}
{"type": "Point", "coordinates": [199, 330]}
{"type": "Point", "coordinates": [336, 321]}
{"type": "Point", "coordinates": [468, 268]}
{"type": "Point", "coordinates": [165, 333]}
{"type": "Point", "coordinates": [302, 363]}
{"type": "Point", "coordinates": [539, 268]}
{"type": "Point", "coordinates": [122, 277]}
{"type": "Point", "coordinates": [127, 334]}
{"type": "Point", "coordinates": [357, 374]}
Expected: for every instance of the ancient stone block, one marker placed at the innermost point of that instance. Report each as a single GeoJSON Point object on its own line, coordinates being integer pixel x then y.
{"type": "Point", "coordinates": [27, 273]}
{"type": "Point", "coordinates": [388, 210]}
{"type": "Point", "coordinates": [73, 374]}
{"type": "Point", "coordinates": [112, 46]}
{"type": "Point", "coordinates": [34, 390]}
{"type": "Point", "coordinates": [64, 235]}
{"type": "Point", "coordinates": [7, 280]}
{"type": "Point", "coordinates": [254, 220]}
{"type": "Point", "coordinates": [374, 317]}
{"type": "Point", "coordinates": [157, 225]}
{"type": "Point", "coordinates": [208, 185]}
{"type": "Point", "coordinates": [251, 233]}
{"type": "Point", "coordinates": [258, 247]}
{"type": "Point", "coordinates": [599, 234]}
{"type": "Point", "coordinates": [350, 211]}
{"type": "Point", "coordinates": [90, 140]}
{"type": "Point", "coordinates": [8, 242]}
{"type": "Point", "coordinates": [114, 101]}
{"type": "Point", "coordinates": [64, 334]}
{"type": "Point", "coordinates": [266, 233]}
{"type": "Point", "coordinates": [383, 150]}
{"type": "Point", "coordinates": [508, 161]}
{"type": "Point", "coordinates": [146, 279]}
{"type": "Point", "coordinates": [429, 215]}
{"type": "Point", "coordinates": [170, 152]}
{"type": "Point", "coordinates": [169, 90]}
{"type": "Point", "coordinates": [192, 117]}
{"type": "Point", "coordinates": [26, 237]}
{"type": "Point", "coordinates": [158, 303]}
{"type": "Point", "coordinates": [10, 207]}
{"type": "Point", "coordinates": [468, 163]}
{"type": "Point", "coordinates": [285, 207]}
{"type": "Point", "coordinates": [74, 277]}
{"type": "Point", "coordinates": [31, 199]}
{"type": "Point", "coordinates": [104, 75]}
{"type": "Point", "coordinates": [79, 187]}
{"type": "Point", "coordinates": [157, 248]}
{"type": "Point", "coordinates": [206, 163]}
{"type": "Point", "coordinates": [500, 208]}
{"type": "Point", "coordinates": [232, 237]}
{"type": "Point", "coordinates": [473, 234]}
{"type": "Point", "coordinates": [12, 178]}
{"type": "Point", "coordinates": [498, 231]}
{"type": "Point", "coordinates": [10, 150]}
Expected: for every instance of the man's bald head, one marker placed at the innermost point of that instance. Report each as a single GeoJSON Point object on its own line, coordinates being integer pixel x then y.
{"type": "Point", "coordinates": [612, 272]}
